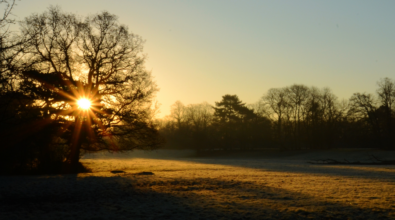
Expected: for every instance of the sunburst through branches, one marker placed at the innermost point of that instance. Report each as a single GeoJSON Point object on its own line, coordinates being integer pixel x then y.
{"type": "Point", "coordinates": [84, 103]}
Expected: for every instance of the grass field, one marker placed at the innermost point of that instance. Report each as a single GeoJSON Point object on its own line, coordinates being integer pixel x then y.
{"type": "Point", "coordinates": [240, 186]}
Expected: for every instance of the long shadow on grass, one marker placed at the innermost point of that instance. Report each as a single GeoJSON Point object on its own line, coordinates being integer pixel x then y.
{"type": "Point", "coordinates": [386, 173]}
{"type": "Point", "coordinates": [265, 164]}
{"type": "Point", "coordinates": [150, 197]}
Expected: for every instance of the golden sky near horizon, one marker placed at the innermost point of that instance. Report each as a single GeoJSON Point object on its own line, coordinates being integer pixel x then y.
{"type": "Point", "coordinates": [201, 50]}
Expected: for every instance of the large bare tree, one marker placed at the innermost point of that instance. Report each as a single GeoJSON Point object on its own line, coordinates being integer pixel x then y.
{"type": "Point", "coordinates": [96, 59]}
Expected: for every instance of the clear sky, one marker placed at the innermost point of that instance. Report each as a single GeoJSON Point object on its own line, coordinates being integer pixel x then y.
{"type": "Point", "coordinates": [201, 50]}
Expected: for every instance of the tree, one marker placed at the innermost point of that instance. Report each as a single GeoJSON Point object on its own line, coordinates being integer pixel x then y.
{"type": "Point", "coordinates": [178, 112]}
{"type": "Point", "coordinates": [199, 115]}
{"type": "Point", "coordinates": [298, 96]}
{"type": "Point", "coordinates": [363, 108]}
{"type": "Point", "coordinates": [386, 93]}
{"type": "Point", "coordinates": [303, 117]}
{"type": "Point", "coordinates": [17, 113]}
{"type": "Point", "coordinates": [5, 22]}
{"type": "Point", "coordinates": [188, 126]}
{"type": "Point", "coordinates": [5, 19]}
{"type": "Point", "coordinates": [10, 47]}
{"type": "Point", "coordinates": [98, 59]}
{"type": "Point", "coordinates": [199, 118]}
{"type": "Point", "coordinates": [232, 118]}
{"type": "Point", "coordinates": [322, 117]}
{"type": "Point", "coordinates": [231, 109]}
{"type": "Point", "coordinates": [278, 102]}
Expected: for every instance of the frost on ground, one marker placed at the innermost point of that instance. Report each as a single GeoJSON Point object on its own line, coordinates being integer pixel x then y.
{"type": "Point", "coordinates": [203, 188]}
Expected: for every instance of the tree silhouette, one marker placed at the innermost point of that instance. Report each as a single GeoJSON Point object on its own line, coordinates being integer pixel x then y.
{"type": "Point", "coordinates": [231, 109]}
{"type": "Point", "coordinates": [386, 93]}
{"type": "Point", "coordinates": [277, 100]}
{"type": "Point", "coordinates": [232, 119]}
{"type": "Point", "coordinates": [293, 117]}
{"type": "Point", "coordinates": [97, 59]}
{"type": "Point", "coordinates": [178, 112]}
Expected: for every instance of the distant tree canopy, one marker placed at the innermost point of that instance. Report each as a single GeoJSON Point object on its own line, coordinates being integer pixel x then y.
{"type": "Point", "coordinates": [231, 109]}
{"type": "Point", "coordinates": [64, 59]}
{"type": "Point", "coordinates": [231, 124]}
{"type": "Point", "coordinates": [237, 126]}
{"type": "Point", "coordinates": [293, 117]}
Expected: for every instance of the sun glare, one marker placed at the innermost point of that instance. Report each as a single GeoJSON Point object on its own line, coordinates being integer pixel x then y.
{"type": "Point", "coordinates": [84, 103]}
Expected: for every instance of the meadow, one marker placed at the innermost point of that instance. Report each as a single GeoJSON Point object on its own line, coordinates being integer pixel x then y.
{"type": "Point", "coordinates": [177, 185]}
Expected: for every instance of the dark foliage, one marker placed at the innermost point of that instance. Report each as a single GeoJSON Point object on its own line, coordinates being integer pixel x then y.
{"type": "Point", "coordinates": [294, 117]}
{"type": "Point", "coordinates": [62, 60]}
{"type": "Point", "coordinates": [229, 125]}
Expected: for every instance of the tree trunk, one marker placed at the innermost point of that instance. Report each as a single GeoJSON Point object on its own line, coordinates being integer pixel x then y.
{"type": "Point", "coordinates": [75, 146]}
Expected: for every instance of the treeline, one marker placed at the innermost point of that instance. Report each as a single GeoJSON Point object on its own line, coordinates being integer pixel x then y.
{"type": "Point", "coordinates": [293, 117]}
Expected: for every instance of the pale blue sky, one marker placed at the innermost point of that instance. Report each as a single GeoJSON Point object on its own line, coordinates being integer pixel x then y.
{"type": "Point", "coordinates": [201, 50]}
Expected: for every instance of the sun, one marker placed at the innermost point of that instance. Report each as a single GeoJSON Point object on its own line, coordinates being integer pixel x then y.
{"type": "Point", "coordinates": [84, 103]}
